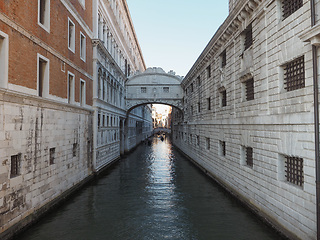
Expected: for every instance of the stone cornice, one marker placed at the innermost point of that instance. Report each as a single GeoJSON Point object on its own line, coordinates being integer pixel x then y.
{"type": "Point", "coordinates": [99, 44]}
{"type": "Point", "coordinates": [233, 22]}
{"type": "Point", "coordinates": [311, 35]}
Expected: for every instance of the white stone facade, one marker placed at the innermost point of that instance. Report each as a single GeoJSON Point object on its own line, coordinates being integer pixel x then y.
{"type": "Point", "coordinates": [221, 123]}
{"type": "Point", "coordinates": [117, 55]}
{"type": "Point", "coordinates": [54, 145]}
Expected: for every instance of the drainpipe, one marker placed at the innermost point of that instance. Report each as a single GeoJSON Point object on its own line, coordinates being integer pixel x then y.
{"type": "Point", "coordinates": [316, 117]}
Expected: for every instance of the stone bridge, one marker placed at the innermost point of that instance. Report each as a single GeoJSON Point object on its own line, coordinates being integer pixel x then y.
{"type": "Point", "coordinates": [154, 86]}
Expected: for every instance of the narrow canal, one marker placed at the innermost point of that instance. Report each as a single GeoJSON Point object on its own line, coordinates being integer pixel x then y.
{"type": "Point", "coordinates": [153, 193]}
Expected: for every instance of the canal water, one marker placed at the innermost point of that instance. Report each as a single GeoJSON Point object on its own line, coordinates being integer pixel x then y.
{"type": "Point", "coordinates": [152, 194]}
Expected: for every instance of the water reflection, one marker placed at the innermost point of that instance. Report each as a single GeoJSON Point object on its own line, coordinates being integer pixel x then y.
{"type": "Point", "coordinates": [154, 193]}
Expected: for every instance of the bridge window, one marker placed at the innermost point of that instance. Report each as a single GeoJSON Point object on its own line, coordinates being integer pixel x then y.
{"type": "Point", "coordinates": [290, 6]}
{"type": "Point", "coordinates": [165, 89]}
{"type": "Point", "coordinates": [143, 90]}
{"type": "Point", "coordinates": [294, 76]}
{"type": "Point", "coordinates": [15, 165]}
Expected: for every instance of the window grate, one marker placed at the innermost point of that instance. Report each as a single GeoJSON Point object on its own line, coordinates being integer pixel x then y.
{"type": "Point", "coordinates": [250, 89]}
{"type": "Point", "coordinates": [290, 6]}
{"type": "Point", "coordinates": [294, 170]}
{"type": "Point", "coordinates": [143, 90]}
{"type": "Point", "coordinates": [52, 155]}
{"type": "Point", "coordinates": [223, 147]}
{"type": "Point", "coordinates": [223, 58]}
{"type": "Point", "coordinates": [224, 98]}
{"type": "Point", "coordinates": [249, 158]}
{"type": "Point", "coordinates": [15, 165]}
{"type": "Point", "coordinates": [294, 76]}
{"type": "Point", "coordinates": [165, 89]}
{"type": "Point", "coordinates": [248, 37]}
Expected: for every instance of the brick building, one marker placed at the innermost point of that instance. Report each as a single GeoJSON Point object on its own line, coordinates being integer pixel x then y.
{"type": "Point", "coordinates": [46, 80]}
{"type": "Point", "coordinates": [249, 110]}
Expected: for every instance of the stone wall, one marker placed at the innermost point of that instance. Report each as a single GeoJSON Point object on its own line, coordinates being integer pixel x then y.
{"type": "Point", "coordinates": [53, 142]}
{"type": "Point", "coordinates": [220, 123]}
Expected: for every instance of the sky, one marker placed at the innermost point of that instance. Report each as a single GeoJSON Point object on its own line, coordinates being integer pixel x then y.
{"type": "Point", "coordinates": [173, 33]}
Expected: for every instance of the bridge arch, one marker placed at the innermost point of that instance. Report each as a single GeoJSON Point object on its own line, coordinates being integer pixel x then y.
{"type": "Point", "coordinates": [154, 86]}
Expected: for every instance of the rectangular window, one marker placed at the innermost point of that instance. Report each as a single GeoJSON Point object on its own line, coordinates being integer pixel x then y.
{"type": "Point", "coordinates": [209, 71]}
{"type": "Point", "coordinates": [15, 165]}
{"type": "Point", "coordinates": [222, 148]}
{"type": "Point", "coordinates": [198, 141]}
{"type": "Point", "coordinates": [191, 87]}
{"type": "Point", "coordinates": [208, 104]}
{"type": "Point", "coordinates": [249, 156]}
{"type": "Point", "coordinates": [223, 59]}
{"type": "Point", "coordinates": [52, 155]}
{"type": "Point", "coordinates": [99, 122]}
{"type": "Point", "coordinates": [71, 35]}
{"type": "Point", "coordinates": [82, 92]}
{"type": "Point", "coordinates": [294, 170]}
{"type": "Point", "coordinates": [208, 143]}
{"type": "Point", "coordinates": [43, 76]}
{"type": "Point", "coordinates": [44, 14]}
{"type": "Point", "coordinates": [165, 89]}
{"type": "Point", "coordinates": [247, 37]}
{"type": "Point", "coordinates": [294, 75]}
{"type": "Point", "coordinates": [70, 87]}
{"type": "Point", "coordinates": [223, 98]}
{"type": "Point", "coordinates": [199, 107]}
{"type": "Point", "coordinates": [199, 81]}
{"type": "Point", "coordinates": [74, 149]}
{"type": "Point", "coordinates": [290, 6]}
{"type": "Point", "coordinates": [4, 59]}
{"type": "Point", "coordinates": [249, 89]}
{"type": "Point", "coordinates": [143, 90]}
{"type": "Point", "coordinates": [82, 46]}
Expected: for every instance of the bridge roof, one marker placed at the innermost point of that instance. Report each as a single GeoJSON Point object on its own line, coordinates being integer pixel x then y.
{"type": "Point", "coordinates": [154, 76]}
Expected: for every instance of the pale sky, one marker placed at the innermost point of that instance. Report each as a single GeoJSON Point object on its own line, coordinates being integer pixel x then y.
{"type": "Point", "coordinates": [173, 33]}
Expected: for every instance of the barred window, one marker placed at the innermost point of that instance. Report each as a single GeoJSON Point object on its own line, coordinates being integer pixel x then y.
{"type": "Point", "coordinates": [290, 6]}
{"type": "Point", "coordinates": [209, 71]}
{"type": "Point", "coordinates": [249, 89]}
{"type": "Point", "coordinates": [208, 143]}
{"type": "Point", "coordinates": [294, 76]}
{"type": "Point", "coordinates": [294, 170]}
{"type": "Point", "coordinates": [208, 103]}
{"type": "Point", "coordinates": [222, 148]}
{"type": "Point", "coordinates": [74, 149]}
{"type": "Point", "coordinates": [166, 89]}
{"type": "Point", "coordinates": [52, 155]}
{"type": "Point", "coordinates": [248, 37]}
{"type": "Point", "coordinates": [143, 90]}
{"type": "Point", "coordinates": [15, 165]}
{"type": "Point", "coordinates": [223, 98]}
{"type": "Point", "coordinates": [249, 158]}
{"type": "Point", "coordinates": [223, 58]}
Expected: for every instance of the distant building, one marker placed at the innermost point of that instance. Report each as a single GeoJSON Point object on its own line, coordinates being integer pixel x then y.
{"type": "Point", "coordinates": [117, 55]}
